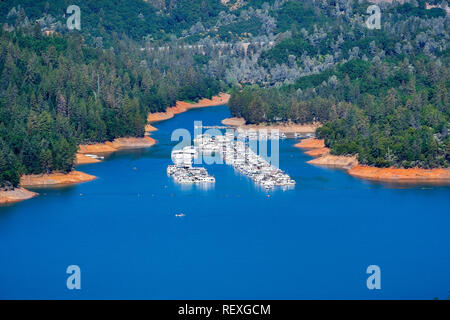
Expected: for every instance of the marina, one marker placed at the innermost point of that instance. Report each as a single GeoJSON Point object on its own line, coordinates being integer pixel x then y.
{"type": "Point", "coordinates": [238, 154]}
{"type": "Point", "coordinates": [210, 127]}
{"type": "Point", "coordinates": [265, 134]}
{"type": "Point", "coordinates": [182, 170]}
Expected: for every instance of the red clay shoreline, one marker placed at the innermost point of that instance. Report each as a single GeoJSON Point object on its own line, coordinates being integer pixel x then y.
{"type": "Point", "coordinates": [40, 180]}
{"type": "Point", "coordinates": [316, 148]}
{"type": "Point", "coordinates": [87, 151]}
{"type": "Point", "coordinates": [15, 195]}
{"type": "Point", "coordinates": [182, 106]}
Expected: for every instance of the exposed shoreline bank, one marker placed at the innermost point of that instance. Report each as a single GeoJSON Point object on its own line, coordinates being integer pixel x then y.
{"type": "Point", "coordinates": [86, 151]}
{"type": "Point", "coordinates": [39, 180]}
{"type": "Point", "coordinates": [316, 148]}
{"type": "Point", "coordinates": [182, 106]}
{"type": "Point", "coordinates": [282, 127]}
{"type": "Point", "coordinates": [16, 195]}
{"type": "Point", "coordinates": [402, 175]}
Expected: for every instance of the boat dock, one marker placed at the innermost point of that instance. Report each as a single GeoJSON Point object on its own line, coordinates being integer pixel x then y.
{"type": "Point", "coordinates": [182, 170]}
{"type": "Point", "coordinates": [239, 155]}
{"type": "Point", "coordinates": [213, 127]}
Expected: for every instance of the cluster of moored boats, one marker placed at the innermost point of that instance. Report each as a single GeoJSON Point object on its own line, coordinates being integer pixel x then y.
{"type": "Point", "coordinates": [238, 154]}
{"type": "Point", "coordinates": [182, 170]}
{"type": "Point", "coordinates": [235, 152]}
{"type": "Point", "coordinates": [262, 134]}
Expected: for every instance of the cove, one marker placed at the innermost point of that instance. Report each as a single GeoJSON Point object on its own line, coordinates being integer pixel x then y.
{"type": "Point", "coordinates": [234, 242]}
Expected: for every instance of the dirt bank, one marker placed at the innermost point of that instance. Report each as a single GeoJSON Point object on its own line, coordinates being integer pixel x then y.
{"type": "Point", "coordinates": [110, 146]}
{"type": "Point", "coordinates": [318, 152]}
{"type": "Point", "coordinates": [96, 148]}
{"type": "Point", "coordinates": [84, 159]}
{"type": "Point", "coordinates": [234, 122]}
{"type": "Point", "coordinates": [149, 128]}
{"type": "Point", "coordinates": [310, 143]}
{"type": "Point", "coordinates": [417, 175]}
{"type": "Point", "coordinates": [316, 148]}
{"type": "Point", "coordinates": [36, 180]}
{"type": "Point", "coordinates": [182, 106]}
{"type": "Point", "coordinates": [15, 195]}
{"type": "Point", "coordinates": [132, 143]}
{"type": "Point", "coordinates": [330, 160]}
{"type": "Point", "coordinates": [116, 144]}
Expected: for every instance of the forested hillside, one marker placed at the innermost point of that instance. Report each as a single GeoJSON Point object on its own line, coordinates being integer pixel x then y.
{"type": "Point", "coordinates": [136, 19]}
{"type": "Point", "coordinates": [381, 94]}
{"type": "Point", "coordinates": [389, 114]}
{"type": "Point", "coordinates": [157, 21]}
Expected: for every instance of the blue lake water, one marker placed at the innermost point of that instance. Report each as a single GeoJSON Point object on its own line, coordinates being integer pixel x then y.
{"type": "Point", "coordinates": [314, 241]}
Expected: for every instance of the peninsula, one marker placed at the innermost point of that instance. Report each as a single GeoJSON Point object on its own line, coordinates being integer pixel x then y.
{"type": "Point", "coordinates": [39, 180]}
{"type": "Point", "coordinates": [16, 195]}
{"type": "Point", "coordinates": [87, 151]}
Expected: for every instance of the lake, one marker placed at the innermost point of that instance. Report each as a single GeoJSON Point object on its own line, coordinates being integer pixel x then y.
{"type": "Point", "coordinates": [234, 242]}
